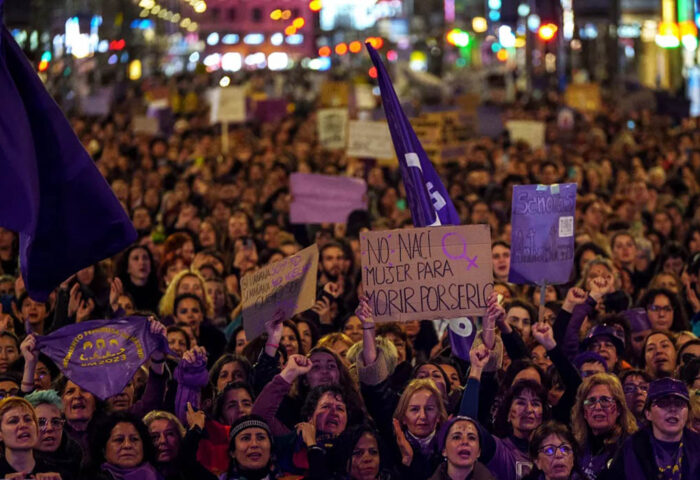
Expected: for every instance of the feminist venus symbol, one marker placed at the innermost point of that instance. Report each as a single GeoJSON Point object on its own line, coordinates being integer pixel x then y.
{"type": "Point", "coordinates": [471, 261]}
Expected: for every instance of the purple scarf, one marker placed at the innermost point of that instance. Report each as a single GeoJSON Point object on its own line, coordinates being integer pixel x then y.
{"type": "Point", "coordinates": [145, 471]}
{"type": "Point", "coordinates": [190, 380]}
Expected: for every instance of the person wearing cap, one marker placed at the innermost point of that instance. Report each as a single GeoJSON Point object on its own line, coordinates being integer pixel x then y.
{"type": "Point", "coordinates": [609, 342]}
{"type": "Point", "coordinates": [665, 449]}
{"type": "Point", "coordinates": [589, 363]}
{"type": "Point", "coordinates": [459, 440]}
{"type": "Point", "coordinates": [640, 328]}
{"type": "Point", "coordinates": [250, 450]}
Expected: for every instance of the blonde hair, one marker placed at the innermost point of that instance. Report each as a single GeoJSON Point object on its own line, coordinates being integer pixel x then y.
{"type": "Point", "coordinates": [625, 424]}
{"type": "Point", "coordinates": [332, 338]}
{"type": "Point", "coordinates": [417, 385]}
{"type": "Point", "coordinates": [7, 404]}
{"type": "Point", "coordinates": [154, 415]}
{"type": "Point", "coordinates": [607, 263]}
{"type": "Point", "coordinates": [167, 303]}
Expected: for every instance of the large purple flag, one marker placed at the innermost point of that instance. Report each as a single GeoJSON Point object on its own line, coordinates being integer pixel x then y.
{"type": "Point", "coordinates": [102, 355]}
{"type": "Point", "coordinates": [50, 190]}
{"type": "Point", "coordinates": [427, 197]}
{"type": "Point", "coordinates": [542, 234]}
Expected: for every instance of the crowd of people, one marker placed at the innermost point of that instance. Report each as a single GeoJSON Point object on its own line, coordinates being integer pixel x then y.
{"type": "Point", "coordinates": [605, 384]}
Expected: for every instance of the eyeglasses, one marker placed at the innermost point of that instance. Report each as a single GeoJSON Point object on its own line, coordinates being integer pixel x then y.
{"type": "Point", "coordinates": [54, 422]}
{"type": "Point", "coordinates": [659, 308]}
{"type": "Point", "coordinates": [605, 402]}
{"type": "Point", "coordinates": [550, 450]}
{"type": "Point", "coordinates": [632, 388]}
{"type": "Point", "coordinates": [9, 393]}
{"type": "Point", "coordinates": [670, 402]}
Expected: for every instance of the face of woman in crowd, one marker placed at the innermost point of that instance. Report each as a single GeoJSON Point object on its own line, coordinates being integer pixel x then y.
{"type": "Point", "coordinates": [177, 343]}
{"type": "Point", "coordinates": [399, 344]}
{"type": "Point", "coordinates": [306, 337]}
{"type": "Point", "coordinates": [78, 404]}
{"type": "Point", "coordinates": [432, 372]}
{"type": "Point", "coordinates": [462, 447]}
{"type": "Point", "coordinates": [50, 427]}
{"type": "Point", "coordinates": [139, 265]}
{"type": "Point", "coordinates": [324, 370]}
{"type": "Point", "coordinates": [237, 404]}
{"type": "Point", "coordinates": [18, 430]}
{"type": "Point", "coordinates": [190, 284]}
{"type": "Point", "coordinates": [555, 458]}
{"type": "Point", "coordinates": [636, 390]}
{"type": "Point", "coordinates": [126, 304]}
{"type": "Point", "coordinates": [500, 256]}
{"type": "Point", "coordinates": [600, 409]}
{"type": "Point", "coordinates": [166, 440]}
{"type": "Point", "coordinates": [252, 449]}
{"type": "Point", "coordinates": [624, 250]}
{"type": "Point", "coordinates": [660, 313]}
{"type": "Point", "coordinates": [539, 356]}
{"type": "Point", "coordinates": [668, 416]}
{"type": "Point", "coordinates": [124, 447]}
{"type": "Point", "coordinates": [241, 342]}
{"type": "Point", "coordinates": [330, 415]}
{"type": "Point", "coordinates": [525, 413]}
{"type": "Point", "coordinates": [289, 341]}
{"type": "Point", "coordinates": [659, 355]}
{"type": "Point", "coordinates": [34, 311]}
{"type": "Point", "coordinates": [365, 460]}
{"type": "Point", "coordinates": [230, 372]}
{"type": "Point", "coordinates": [422, 413]}
{"type": "Point", "coordinates": [353, 329]}
{"type": "Point", "coordinates": [8, 353]}
{"type": "Point", "coordinates": [452, 375]}
{"type": "Point", "coordinates": [207, 235]}
{"type": "Point", "coordinates": [519, 318]}
{"type": "Point", "coordinates": [189, 311]}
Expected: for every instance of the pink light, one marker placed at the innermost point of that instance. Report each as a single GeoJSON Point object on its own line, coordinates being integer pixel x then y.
{"type": "Point", "coordinates": [449, 11]}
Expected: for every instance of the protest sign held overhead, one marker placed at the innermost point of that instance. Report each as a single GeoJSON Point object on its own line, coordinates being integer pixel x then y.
{"type": "Point", "coordinates": [427, 273]}
{"type": "Point", "coordinates": [288, 285]}
{"type": "Point", "coordinates": [228, 105]}
{"type": "Point", "coordinates": [332, 128]}
{"type": "Point", "coordinates": [542, 238]}
{"type": "Point", "coordinates": [368, 139]}
{"type": "Point", "coordinates": [531, 132]}
{"type": "Point", "coordinates": [101, 356]}
{"type": "Point", "coordinates": [325, 198]}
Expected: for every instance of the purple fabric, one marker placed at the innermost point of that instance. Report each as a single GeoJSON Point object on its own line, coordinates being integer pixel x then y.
{"type": "Point", "coordinates": [542, 238]}
{"type": "Point", "coordinates": [50, 190]}
{"type": "Point", "coordinates": [153, 395]}
{"type": "Point", "coordinates": [191, 378]}
{"type": "Point", "coordinates": [508, 462]}
{"type": "Point", "coordinates": [427, 197]}
{"type": "Point", "coordinates": [268, 402]}
{"type": "Point", "coordinates": [102, 355]}
{"type": "Point", "coordinates": [325, 198]}
{"type": "Point", "coordinates": [571, 342]}
{"type": "Point", "coordinates": [145, 471]}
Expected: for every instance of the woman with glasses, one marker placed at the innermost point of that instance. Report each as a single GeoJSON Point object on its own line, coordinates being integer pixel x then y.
{"type": "Point", "coordinates": [635, 385]}
{"type": "Point", "coordinates": [600, 422]}
{"type": "Point", "coordinates": [554, 452]}
{"type": "Point", "coordinates": [54, 448]}
{"type": "Point", "coordinates": [664, 310]}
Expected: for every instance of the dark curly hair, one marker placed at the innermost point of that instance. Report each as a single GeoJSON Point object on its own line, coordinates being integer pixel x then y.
{"type": "Point", "coordinates": [503, 427]}
{"type": "Point", "coordinates": [314, 396]}
{"type": "Point", "coordinates": [100, 431]}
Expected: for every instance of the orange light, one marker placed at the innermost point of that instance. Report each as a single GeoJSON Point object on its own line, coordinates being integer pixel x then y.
{"type": "Point", "coordinates": [502, 55]}
{"type": "Point", "coordinates": [373, 72]}
{"type": "Point", "coordinates": [341, 49]}
{"type": "Point", "coordinates": [376, 42]}
{"type": "Point", "coordinates": [299, 23]}
{"type": "Point", "coordinates": [547, 31]}
{"type": "Point", "coordinates": [324, 51]}
{"type": "Point", "coordinates": [687, 28]}
{"type": "Point", "coordinates": [355, 46]}
{"type": "Point", "coordinates": [315, 5]}
{"type": "Point", "coordinates": [286, 14]}
{"type": "Point", "coordinates": [290, 30]}
{"type": "Point", "coordinates": [43, 66]}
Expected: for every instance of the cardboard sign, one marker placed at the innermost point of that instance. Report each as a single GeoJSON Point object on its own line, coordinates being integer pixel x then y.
{"type": "Point", "coordinates": [143, 125]}
{"type": "Point", "coordinates": [529, 131]}
{"type": "Point", "coordinates": [228, 105]}
{"type": "Point", "coordinates": [332, 124]}
{"type": "Point", "coordinates": [325, 198]}
{"type": "Point", "coordinates": [542, 238]}
{"type": "Point", "coordinates": [334, 94]}
{"type": "Point", "coordinates": [584, 97]}
{"type": "Point", "coordinates": [289, 285]}
{"type": "Point", "coordinates": [364, 97]}
{"type": "Point", "coordinates": [369, 140]}
{"type": "Point", "coordinates": [427, 273]}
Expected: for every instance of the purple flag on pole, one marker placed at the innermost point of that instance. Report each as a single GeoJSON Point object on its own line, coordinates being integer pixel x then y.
{"type": "Point", "coordinates": [102, 355]}
{"type": "Point", "coordinates": [542, 236]}
{"type": "Point", "coordinates": [427, 197]}
{"type": "Point", "coordinates": [50, 190]}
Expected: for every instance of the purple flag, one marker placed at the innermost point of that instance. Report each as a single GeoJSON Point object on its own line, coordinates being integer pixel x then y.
{"type": "Point", "coordinates": [427, 197]}
{"type": "Point", "coordinates": [50, 190]}
{"type": "Point", "coordinates": [102, 355]}
{"type": "Point", "coordinates": [542, 237]}
{"type": "Point", "coordinates": [325, 198]}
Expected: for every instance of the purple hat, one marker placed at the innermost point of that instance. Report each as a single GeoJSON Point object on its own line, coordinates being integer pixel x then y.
{"type": "Point", "coordinates": [638, 318]}
{"type": "Point", "coordinates": [586, 357]}
{"type": "Point", "coordinates": [665, 387]}
{"type": "Point", "coordinates": [615, 335]}
{"type": "Point", "coordinates": [444, 430]}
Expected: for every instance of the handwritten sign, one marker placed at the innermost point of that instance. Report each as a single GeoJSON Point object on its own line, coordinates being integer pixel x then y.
{"type": "Point", "coordinates": [528, 131]}
{"type": "Point", "coordinates": [332, 128]}
{"type": "Point", "coordinates": [325, 198]}
{"type": "Point", "coordinates": [427, 273]}
{"type": "Point", "coordinates": [228, 105]}
{"type": "Point", "coordinates": [289, 285]}
{"type": "Point", "coordinates": [542, 237]}
{"type": "Point", "coordinates": [369, 140]}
